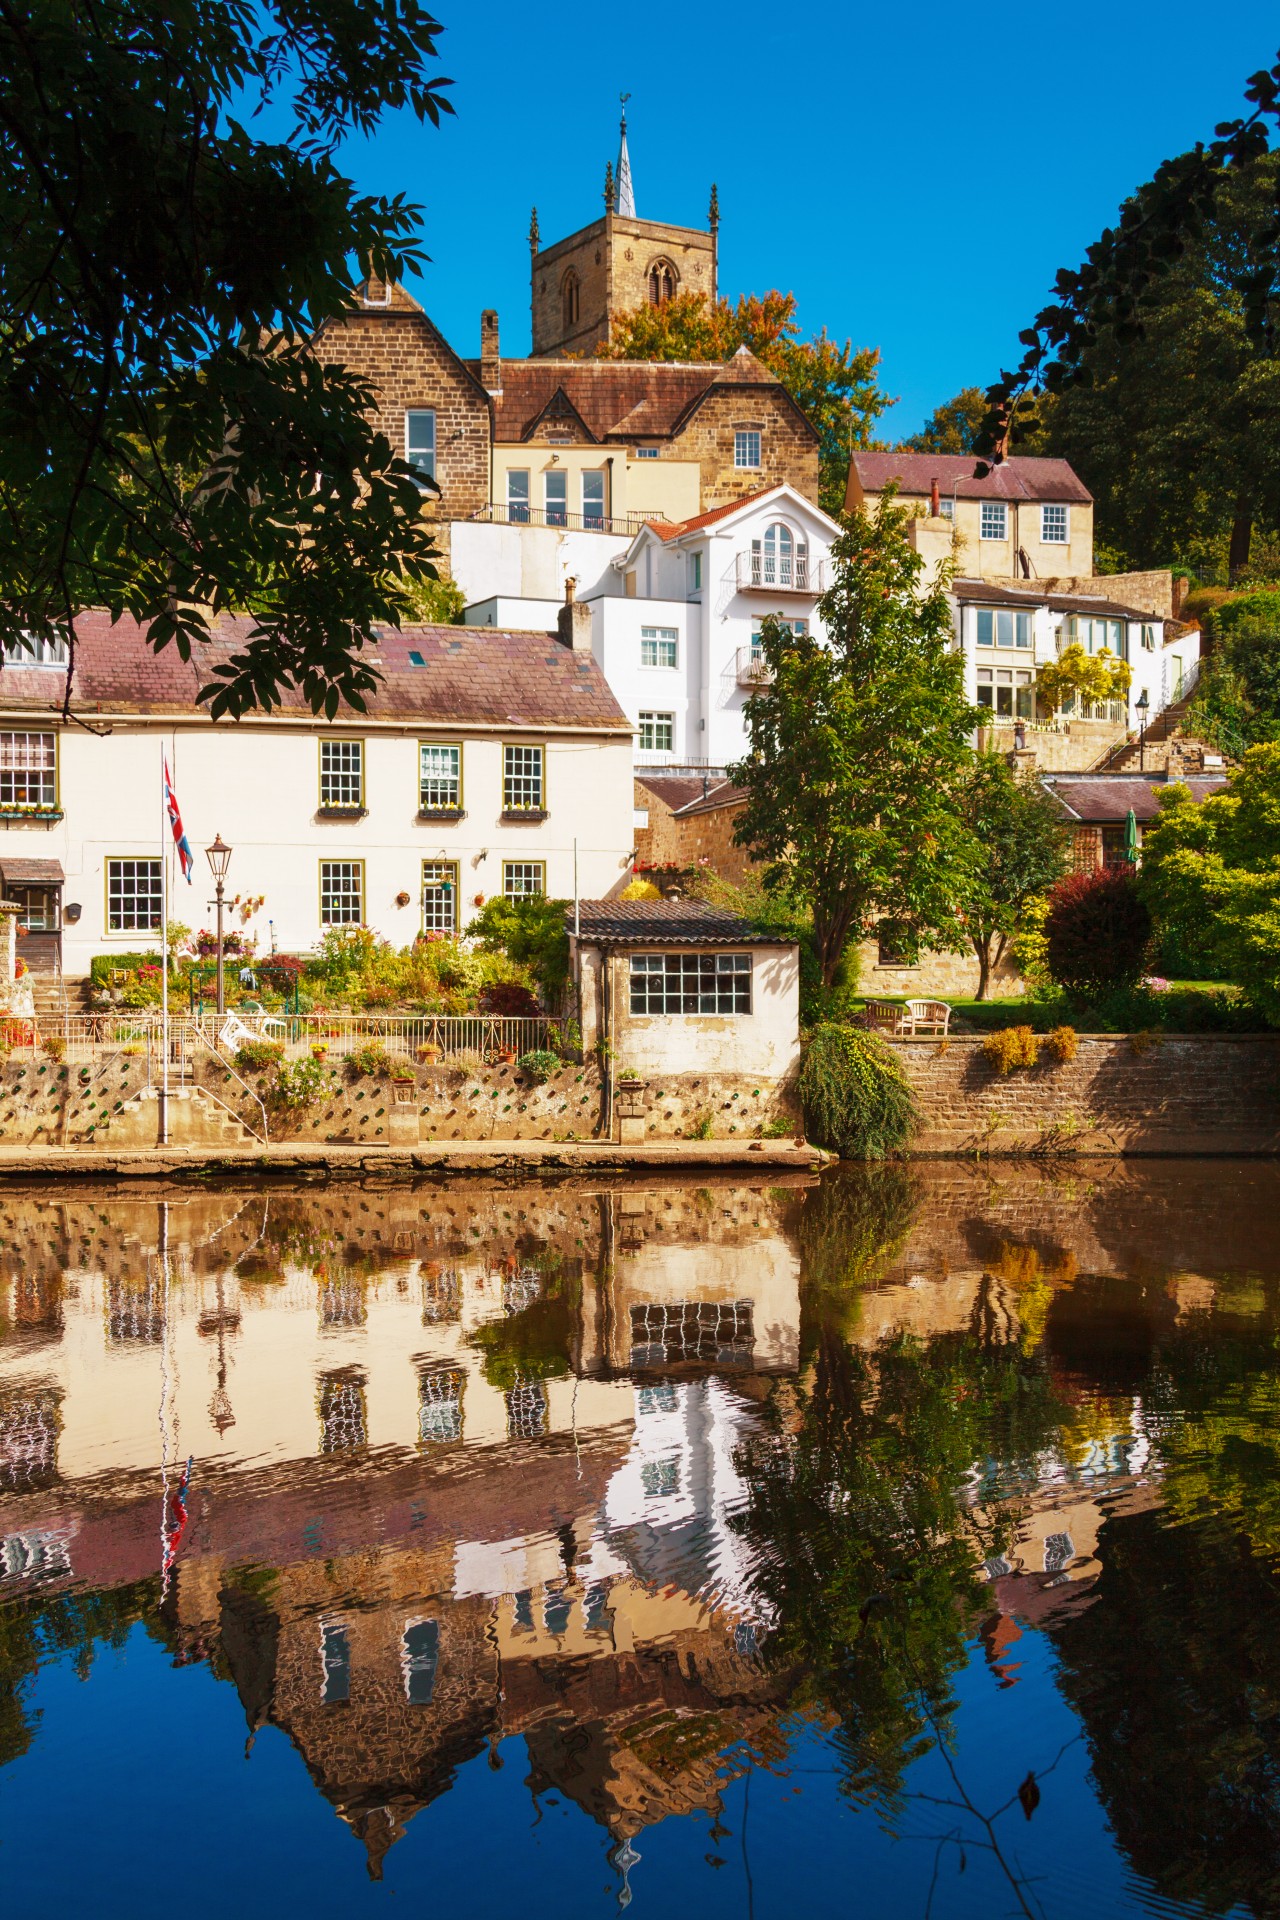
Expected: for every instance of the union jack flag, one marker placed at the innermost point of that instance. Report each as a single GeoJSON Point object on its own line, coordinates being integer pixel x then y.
{"type": "Point", "coordinates": [185, 856]}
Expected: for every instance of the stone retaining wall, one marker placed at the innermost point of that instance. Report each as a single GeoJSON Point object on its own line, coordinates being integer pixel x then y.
{"type": "Point", "coordinates": [1125, 1093]}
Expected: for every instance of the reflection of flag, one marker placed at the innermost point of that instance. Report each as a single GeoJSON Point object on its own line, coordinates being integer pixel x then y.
{"type": "Point", "coordinates": [180, 840]}
{"type": "Point", "coordinates": [175, 1520]}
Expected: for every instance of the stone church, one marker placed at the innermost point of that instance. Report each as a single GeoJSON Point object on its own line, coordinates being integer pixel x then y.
{"type": "Point", "coordinates": [562, 439]}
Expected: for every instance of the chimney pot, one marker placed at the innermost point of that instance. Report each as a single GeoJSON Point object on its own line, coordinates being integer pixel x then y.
{"type": "Point", "coordinates": [490, 356]}
{"type": "Point", "coordinates": [935, 499]}
{"type": "Point", "coordinates": [574, 622]}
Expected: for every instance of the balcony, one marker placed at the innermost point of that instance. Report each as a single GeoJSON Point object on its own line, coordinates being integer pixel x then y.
{"type": "Point", "coordinates": [781, 573]}
{"type": "Point", "coordinates": [562, 520]}
{"type": "Point", "coordinates": [752, 670]}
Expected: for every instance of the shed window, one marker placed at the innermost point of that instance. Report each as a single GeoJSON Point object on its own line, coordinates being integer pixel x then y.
{"type": "Point", "coordinates": [691, 983]}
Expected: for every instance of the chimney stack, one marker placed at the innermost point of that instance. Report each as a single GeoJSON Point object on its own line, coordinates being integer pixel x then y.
{"type": "Point", "coordinates": [574, 621]}
{"type": "Point", "coordinates": [490, 359]}
{"type": "Point", "coordinates": [935, 500]}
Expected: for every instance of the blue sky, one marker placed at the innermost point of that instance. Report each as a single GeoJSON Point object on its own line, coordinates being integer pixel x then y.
{"type": "Point", "coordinates": [915, 174]}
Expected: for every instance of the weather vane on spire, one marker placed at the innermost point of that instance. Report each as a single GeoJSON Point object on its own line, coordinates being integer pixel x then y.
{"type": "Point", "coordinates": [624, 193]}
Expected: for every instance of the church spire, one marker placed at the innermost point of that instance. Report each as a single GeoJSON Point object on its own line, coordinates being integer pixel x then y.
{"type": "Point", "coordinates": [626, 199]}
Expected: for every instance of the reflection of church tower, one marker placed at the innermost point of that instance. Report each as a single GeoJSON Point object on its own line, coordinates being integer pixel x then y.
{"type": "Point", "coordinates": [581, 284]}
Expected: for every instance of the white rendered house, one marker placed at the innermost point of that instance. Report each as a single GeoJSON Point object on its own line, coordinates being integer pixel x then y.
{"type": "Point", "coordinates": [676, 613]}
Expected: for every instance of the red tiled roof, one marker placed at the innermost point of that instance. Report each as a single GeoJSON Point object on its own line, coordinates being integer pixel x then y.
{"type": "Point", "coordinates": [1020, 478]}
{"type": "Point", "coordinates": [618, 399]}
{"type": "Point", "coordinates": [667, 531]}
{"type": "Point", "coordinates": [478, 676]}
{"type": "Point", "coordinates": [1105, 801]}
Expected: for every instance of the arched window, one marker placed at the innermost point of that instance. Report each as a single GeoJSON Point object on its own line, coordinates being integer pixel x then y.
{"type": "Point", "coordinates": [662, 283]}
{"type": "Point", "coordinates": [569, 297]}
{"type": "Point", "coordinates": [780, 559]}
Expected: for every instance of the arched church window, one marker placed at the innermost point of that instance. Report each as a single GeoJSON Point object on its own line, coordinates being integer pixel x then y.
{"type": "Point", "coordinates": [569, 291]}
{"type": "Point", "coordinates": [662, 283]}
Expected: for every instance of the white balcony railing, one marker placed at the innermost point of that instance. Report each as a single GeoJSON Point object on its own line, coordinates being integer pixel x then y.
{"type": "Point", "coordinates": [752, 668]}
{"type": "Point", "coordinates": [769, 571]}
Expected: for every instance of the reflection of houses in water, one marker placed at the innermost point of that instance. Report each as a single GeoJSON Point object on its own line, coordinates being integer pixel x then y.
{"type": "Point", "coordinates": [135, 1309]}
{"type": "Point", "coordinates": [29, 1426]}
{"type": "Point", "coordinates": [344, 1416]}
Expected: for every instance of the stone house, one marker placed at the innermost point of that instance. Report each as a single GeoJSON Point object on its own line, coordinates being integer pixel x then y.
{"type": "Point", "coordinates": [485, 763]}
{"type": "Point", "coordinates": [1028, 518]}
{"type": "Point", "coordinates": [1096, 806]}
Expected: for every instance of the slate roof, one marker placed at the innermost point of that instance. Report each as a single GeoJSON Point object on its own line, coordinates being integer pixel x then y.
{"type": "Point", "coordinates": [667, 923]}
{"type": "Point", "coordinates": [477, 676]}
{"type": "Point", "coordinates": [618, 399]}
{"type": "Point", "coordinates": [984, 593]}
{"type": "Point", "coordinates": [31, 873]}
{"type": "Point", "coordinates": [1020, 478]}
{"type": "Point", "coordinates": [676, 790]}
{"type": "Point", "coordinates": [725, 795]}
{"type": "Point", "coordinates": [1105, 801]}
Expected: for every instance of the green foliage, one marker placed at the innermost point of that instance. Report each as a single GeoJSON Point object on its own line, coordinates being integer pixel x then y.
{"type": "Point", "coordinates": [1219, 863]}
{"type": "Point", "coordinates": [1237, 703]}
{"type": "Point", "coordinates": [859, 748]}
{"type": "Point", "coordinates": [103, 965]}
{"type": "Point", "coordinates": [370, 1059]}
{"type": "Point", "coordinates": [833, 386]}
{"type": "Point", "coordinates": [701, 1127]}
{"type": "Point", "coordinates": [434, 602]}
{"type": "Point", "coordinates": [954, 427]}
{"type": "Point", "coordinates": [539, 1064]}
{"type": "Point", "coordinates": [437, 974]}
{"type": "Point", "coordinates": [533, 1343]}
{"type": "Point", "coordinates": [1010, 1048]}
{"type": "Point", "coordinates": [1024, 848]}
{"type": "Point", "coordinates": [300, 1084]}
{"type": "Point", "coordinates": [857, 1101]}
{"type": "Point", "coordinates": [775, 912]}
{"type": "Point", "coordinates": [256, 1056]}
{"type": "Point", "coordinates": [1091, 676]}
{"type": "Point", "coordinates": [1098, 930]}
{"type": "Point", "coordinates": [174, 448]}
{"type": "Point", "coordinates": [532, 933]}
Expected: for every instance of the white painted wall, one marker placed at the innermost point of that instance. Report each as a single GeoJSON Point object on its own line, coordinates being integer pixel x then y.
{"type": "Point", "coordinates": [488, 558]}
{"type": "Point", "coordinates": [1159, 670]}
{"type": "Point", "coordinates": [258, 785]}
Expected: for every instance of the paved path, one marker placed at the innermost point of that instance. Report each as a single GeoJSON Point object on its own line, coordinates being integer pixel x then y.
{"type": "Point", "coordinates": [753, 1157]}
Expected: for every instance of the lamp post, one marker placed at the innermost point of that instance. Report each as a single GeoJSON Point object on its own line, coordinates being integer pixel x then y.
{"type": "Point", "coordinates": [1143, 703]}
{"type": "Point", "coordinates": [219, 858]}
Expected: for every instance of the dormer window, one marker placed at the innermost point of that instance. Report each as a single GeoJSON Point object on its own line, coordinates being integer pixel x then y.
{"type": "Point", "coordinates": [36, 650]}
{"type": "Point", "coordinates": [570, 291]}
{"type": "Point", "coordinates": [662, 283]}
{"type": "Point", "coordinates": [377, 293]}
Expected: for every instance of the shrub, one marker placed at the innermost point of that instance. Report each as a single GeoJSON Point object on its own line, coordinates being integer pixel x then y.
{"type": "Point", "coordinates": [857, 1101]}
{"type": "Point", "coordinates": [701, 1128]}
{"type": "Point", "coordinates": [55, 1047]}
{"type": "Point", "coordinates": [1012, 1047]}
{"type": "Point", "coordinates": [539, 1064]}
{"type": "Point", "coordinates": [255, 1056]}
{"type": "Point", "coordinates": [1098, 930]}
{"type": "Point", "coordinates": [509, 1000]}
{"type": "Point", "coordinates": [779, 1128]}
{"type": "Point", "coordinates": [640, 890]}
{"type": "Point", "coordinates": [532, 933]}
{"type": "Point", "coordinates": [1062, 1044]}
{"type": "Point", "coordinates": [371, 1058]}
{"type": "Point", "coordinates": [300, 1083]}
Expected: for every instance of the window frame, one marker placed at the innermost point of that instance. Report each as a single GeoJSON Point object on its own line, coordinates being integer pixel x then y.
{"type": "Point", "coordinates": [449, 868]}
{"type": "Point", "coordinates": [44, 652]}
{"type": "Point", "coordinates": [1021, 620]}
{"type": "Point", "coordinates": [16, 773]}
{"type": "Point", "coordinates": [647, 453]}
{"type": "Point", "coordinates": [695, 572]}
{"type": "Point", "coordinates": [1000, 507]}
{"type": "Point", "coordinates": [511, 810]}
{"type": "Point", "coordinates": [594, 519]}
{"type": "Point", "coordinates": [654, 716]}
{"type": "Point", "coordinates": [748, 435]}
{"type": "Point", "coordinates": [561, 508]}
{"type": "Point", "coordinates": [420, 467]}
{"type": "Point", "coordinates": [133, 859]}
{"type": "Point", "coordinates": [1055, 507]}
{"type": "Point", "coordinates": [454, 809]}
{"type": "Point", "coordinates": [666, 972]}
{"type": "Point", "coordinates": [519, 512]}
{"type": "Point", "coordinates": [540, 893]}
{"type": "Point", "coordinates": [661, 637]}
{"type": "Point", "coordinates": [361, 897]}
{"type": "Point", "coordinates": [341, 807]}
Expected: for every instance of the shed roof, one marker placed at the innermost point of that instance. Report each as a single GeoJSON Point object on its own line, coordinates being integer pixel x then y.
{"type": "Point", "coordinates": [1105, 800]}
{"type": "Point", "coordinates": [452, 676]}
{"type": "Point", "coordinates": [667, 923]}
{"type": "Point", "coordinates": [31, 873]}
{"type": "Point", "coordinates": [1023, 477]}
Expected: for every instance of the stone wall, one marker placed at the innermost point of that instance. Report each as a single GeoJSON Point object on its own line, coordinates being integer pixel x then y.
{"type": "Point", "coordinates": [1128, 1093]}
{"type": "Point", "coordinates": [788, 444]}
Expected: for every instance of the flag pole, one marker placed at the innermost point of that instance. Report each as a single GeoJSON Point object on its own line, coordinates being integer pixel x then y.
{"type": "Point", "coordinates": [164, 958]}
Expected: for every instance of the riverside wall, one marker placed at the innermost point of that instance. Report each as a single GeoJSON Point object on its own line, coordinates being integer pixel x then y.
{"type": "Point", "coordinates": [1143, 1093]}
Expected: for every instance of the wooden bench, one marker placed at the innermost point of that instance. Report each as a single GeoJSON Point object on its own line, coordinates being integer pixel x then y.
{"type": "Point", "coordinates": [928, 1016]}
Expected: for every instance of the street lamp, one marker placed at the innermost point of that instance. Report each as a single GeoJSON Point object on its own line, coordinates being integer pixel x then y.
{"type": "Point", "coordinates": [1143, 703]}
{"type": "Point", "coordinates": [219, 858]}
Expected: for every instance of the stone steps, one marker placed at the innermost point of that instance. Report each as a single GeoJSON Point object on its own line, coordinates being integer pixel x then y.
{"type": "Point", "coordinates": [195, 1120]}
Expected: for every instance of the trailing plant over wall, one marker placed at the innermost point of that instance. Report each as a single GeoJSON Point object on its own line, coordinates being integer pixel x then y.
{"type": "Point", "coordinates": [1098, 930]}
{"type": "Point", "coordinates": [539, 1064]}
{"type": "Point", "coordinates": [1062, 1044]}
{"type": "Point", "coordinates": [856, 1099]}
{"type": "Point", "coordinates": [1010, 1048]}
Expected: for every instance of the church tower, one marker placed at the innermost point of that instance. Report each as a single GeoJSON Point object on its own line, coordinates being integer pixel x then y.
{"type": "Point", "coordinates": [579, 285]}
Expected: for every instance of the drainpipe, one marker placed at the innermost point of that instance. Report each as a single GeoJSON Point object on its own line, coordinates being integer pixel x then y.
{"type": "Point", "coordinates": [606, 1047]}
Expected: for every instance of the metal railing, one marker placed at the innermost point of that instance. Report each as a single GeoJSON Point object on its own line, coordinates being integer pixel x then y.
{"type": "Point", "coordinates": [416, 1037]}
{"type": "Point", "coordinates": [752, 669]}
{"type": "Point", "coordinates": [767, 572]}
{"type": "Point", "coordinates": [562, 520]}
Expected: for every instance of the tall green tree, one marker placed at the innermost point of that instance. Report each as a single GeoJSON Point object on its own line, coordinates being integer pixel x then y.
{"type": "Point", "coordinates": [860, 748]}
{"type": "Point", "coordinates": [834, 386]}
{"type": "Point", "coordinates": [954, 427]}
{"type": "Point", "coordinates": [172, 447]}
{"type": "Point", "coordinates": [1024, 852]}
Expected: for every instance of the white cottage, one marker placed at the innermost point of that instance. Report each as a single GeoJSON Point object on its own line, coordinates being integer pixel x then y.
{"type": "Point", "coordinates": [494, 763]}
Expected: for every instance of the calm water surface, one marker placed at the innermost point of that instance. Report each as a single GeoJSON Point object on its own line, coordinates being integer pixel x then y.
{"type": "Point", "coordinates": [894, 1544]}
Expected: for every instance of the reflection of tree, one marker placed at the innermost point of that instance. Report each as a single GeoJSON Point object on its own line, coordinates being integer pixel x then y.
{"type": "Point", "coordinates": [33, 1632]}
{"type": "Point", "coordinates": [867, 1549]}
{"type": "Point", "coordinates": [849, 1229]}
{"type": "Point", "coordinates": [535, 1342]}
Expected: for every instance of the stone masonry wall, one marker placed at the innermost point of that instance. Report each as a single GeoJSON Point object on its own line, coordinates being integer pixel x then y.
{"type": "Point", "coordinates": [1122, 1094]}
{"type": "Point", "coordinates": [788, 448]}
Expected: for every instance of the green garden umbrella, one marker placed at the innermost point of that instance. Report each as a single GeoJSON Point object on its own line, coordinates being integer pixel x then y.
{"type": "Point", "coordinates": [1131, 837]}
